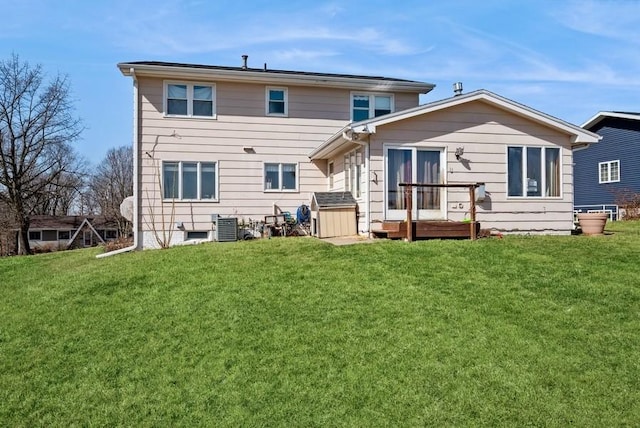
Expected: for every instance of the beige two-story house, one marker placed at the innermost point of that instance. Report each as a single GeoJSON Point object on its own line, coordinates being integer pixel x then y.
{"type": "Point", "coordinates": [247, 142]}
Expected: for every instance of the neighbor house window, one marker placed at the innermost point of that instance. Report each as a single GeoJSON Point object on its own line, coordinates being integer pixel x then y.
{"type": "Point", "coordinates": [64, 234]}
{"type": "Point", "coordinates": [353, 172]}
{"type": "Point", "coordinates": [190, 99]}
{"type": "Point", "coordinates": [609, 172]}
{"type": "Point", "coordinates": [366, 106]}
{"type": "Point", "coordinates": [190, 180]}
{"type": "Point", "coordinates": [277, 102]}
{"type": "Point", "coordinates": [49, 235]}
{"type": "Point", "coordinates": [35, 235]}
{"type": "Point", "coordinates": [110, 234]}
{"type": "Point", "coordinates": [280, 176]}
{"type": "Point", "coordinates": [533, 171]}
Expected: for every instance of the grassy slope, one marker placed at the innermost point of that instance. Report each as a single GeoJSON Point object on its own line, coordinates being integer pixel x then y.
{"type": "Point", "coordinates": [513, 331]}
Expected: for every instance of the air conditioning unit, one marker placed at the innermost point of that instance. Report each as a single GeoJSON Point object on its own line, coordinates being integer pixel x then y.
{"type": "Point", "coordinates": [226, 229]}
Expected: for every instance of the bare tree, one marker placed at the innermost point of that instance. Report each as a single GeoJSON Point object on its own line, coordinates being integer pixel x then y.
{"type": "Point", "coordinates": [60, 196]}
{"type": "Point", "coordinates": [111, 184]}
{"type": "Point", "coordinates": [37, 125]}
{"type": "Point", "coordinates": [7, 231]}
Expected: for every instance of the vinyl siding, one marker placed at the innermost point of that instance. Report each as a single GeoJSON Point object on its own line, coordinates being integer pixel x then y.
{"type": "Point", "coordinates": [485, 132]}
{"type": "Point", "coordinates": [241, 122]}
{"type": "Point", "coordinates": [620, 141]}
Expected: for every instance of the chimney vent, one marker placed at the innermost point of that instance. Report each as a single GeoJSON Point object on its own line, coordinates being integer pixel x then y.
{"type": "Point", "coordinates": [457, 88]}
{"type": "Point", "coordinates": [244, 61]}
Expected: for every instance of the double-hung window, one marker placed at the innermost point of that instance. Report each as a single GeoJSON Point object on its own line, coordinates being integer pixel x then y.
{"type": "Point", "coordinates": [533, 171]}
{"type": "Point", "coordinates": [277, 102]}
{"type": "Point", "coordinates": [190, 180]}
{"type": "Point", "coordinates": [609, 172]}
{"type": "Point", "coordinates": [282, 177]}
{"type": "Point", "coordinates": [366, 106]}
{"type": "Point", "coordinates": [190, 99]}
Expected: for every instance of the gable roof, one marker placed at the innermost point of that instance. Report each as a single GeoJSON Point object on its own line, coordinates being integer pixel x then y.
{"type": "Point", "coordinates": [68, 222]}
{"type": "Point", "coordinates": [609, 114]}
{"type": "Point", "coordinates": [268, 76]}
{"type": "Point", "coordinates": [353, 131]}
{"type": "Point", "coordinates": [88, 224]}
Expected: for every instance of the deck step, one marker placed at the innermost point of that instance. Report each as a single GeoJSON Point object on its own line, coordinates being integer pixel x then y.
{"type": "Point", "coordinates": [428, 229]}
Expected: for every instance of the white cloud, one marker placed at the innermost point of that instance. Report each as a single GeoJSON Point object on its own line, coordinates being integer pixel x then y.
{"type": "Point", "coordinates": [618, 20]}
{"type": "Point", "coordinates": [295, 55]}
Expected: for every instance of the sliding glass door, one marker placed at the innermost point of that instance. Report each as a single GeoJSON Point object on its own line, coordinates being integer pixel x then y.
{"type": "Point", "coordinates": [414, 165]}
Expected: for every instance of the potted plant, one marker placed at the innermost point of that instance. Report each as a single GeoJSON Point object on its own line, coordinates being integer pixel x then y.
{"type": "Point", "coordinates": [592, 223]}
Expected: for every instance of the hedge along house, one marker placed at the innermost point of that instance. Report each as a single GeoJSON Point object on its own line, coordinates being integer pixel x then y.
{"type": "Point", "coordinates": [523, 156]}
{"type": "Point", "coordinates": [246, 142]}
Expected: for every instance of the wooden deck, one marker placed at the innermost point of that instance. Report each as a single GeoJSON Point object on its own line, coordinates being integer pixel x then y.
{"type": "Point", "coordinates": [428, 229]}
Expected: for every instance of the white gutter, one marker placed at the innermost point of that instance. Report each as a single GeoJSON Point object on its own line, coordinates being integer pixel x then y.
{"type": "Point", "coordinates": [191, 71]}
{"type": "Point", "coordinates": [135, 174]}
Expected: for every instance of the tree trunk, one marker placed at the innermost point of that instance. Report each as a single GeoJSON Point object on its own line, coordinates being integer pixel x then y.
{"type": "Point", "coordinates": [24, 246]}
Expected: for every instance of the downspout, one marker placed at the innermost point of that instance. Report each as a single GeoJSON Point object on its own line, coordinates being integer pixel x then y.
{"type": "Point", "coordinates": [367, 160]}
{"type": "Point", "coordinates": [135, 173]}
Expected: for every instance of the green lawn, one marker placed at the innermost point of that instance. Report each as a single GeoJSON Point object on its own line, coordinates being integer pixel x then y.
{"type": "Point", "coordinates": [536, 331]}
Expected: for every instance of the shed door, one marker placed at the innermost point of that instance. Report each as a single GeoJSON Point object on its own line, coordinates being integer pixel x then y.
{"type": "Point", "coordinates": [413, 165]}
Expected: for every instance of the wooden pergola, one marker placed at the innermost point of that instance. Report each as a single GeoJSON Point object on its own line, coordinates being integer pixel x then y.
{"type": "Point", "coordinates": [408, 194]}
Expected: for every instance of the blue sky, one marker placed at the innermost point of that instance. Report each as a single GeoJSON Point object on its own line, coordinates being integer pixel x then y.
{"type": "Point", "coordinates": [569, 59]}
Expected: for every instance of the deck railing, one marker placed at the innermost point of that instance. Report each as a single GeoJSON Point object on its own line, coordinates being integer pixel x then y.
{"type": "Point", "coordinates": [408, 194]}
{"type": "Point", "coordinates": [611, 210]}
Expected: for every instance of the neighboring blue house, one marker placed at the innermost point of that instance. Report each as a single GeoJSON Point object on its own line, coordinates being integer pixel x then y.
{"type": "Point", "coordinates": [602, 170]}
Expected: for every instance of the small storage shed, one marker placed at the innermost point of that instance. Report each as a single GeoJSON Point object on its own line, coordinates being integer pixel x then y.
{"type": "Point", "coordinates": [333, 214]}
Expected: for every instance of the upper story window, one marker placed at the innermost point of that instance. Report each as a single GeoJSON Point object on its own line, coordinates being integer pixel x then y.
{"type": "Point", "coordinates": [366, 106]}
{"type": "Point", "coordinates": [190, 99]}
{"type": "Point", "coordinates": [609, 172]}
{"type": "Point", "coordinates": [277, 102]}
{"type": "Point", "coordinates": [280, 177]}
{"type": "Point", "coordinates": [190, 180]}
{"type": "Point", "coordinates": [533, 171]}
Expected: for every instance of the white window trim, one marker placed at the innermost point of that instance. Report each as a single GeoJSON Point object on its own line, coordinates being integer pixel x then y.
{"type": "Point", "coordinates": [608, 163]}
{"type": "Point", "coordinates": [543, 179]}
{"type": "Point", "coordinates": [444, 195]}
{"type": "Point", "coordinates": [372, 102]}
{"type": "Point", "coordinates": [190, 86]}
{"type": "Point", "coordinates": [280, 190]}
{"type": "Point", "coordinates": [199, 182]}
{"type": "Point", "coordinates": [286, 101]}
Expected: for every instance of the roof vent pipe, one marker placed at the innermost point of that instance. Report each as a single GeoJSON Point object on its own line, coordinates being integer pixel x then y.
{"type": "Point", "coordinates": [244, 61]}
{"type": "Point", "coordinates": [457, 88]}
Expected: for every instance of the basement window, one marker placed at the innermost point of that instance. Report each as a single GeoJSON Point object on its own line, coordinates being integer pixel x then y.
{"type": "Point", "coordinates": [197, 234]}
